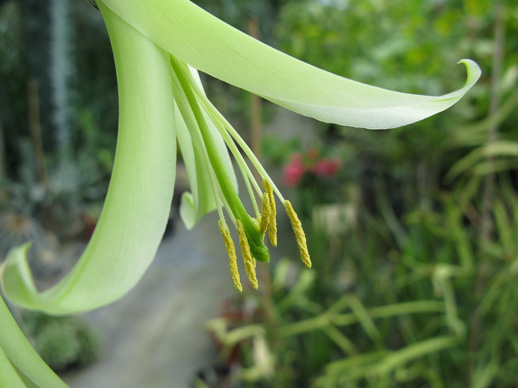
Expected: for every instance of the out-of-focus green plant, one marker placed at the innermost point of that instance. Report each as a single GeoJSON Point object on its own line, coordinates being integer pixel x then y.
{"type": "Point", "coordinates": [62, 342]}
{"type": "Point", "coordinates": [406, 35]}
{"type": "Point", "coordinates": [59, 201]}
{"type": "Point", "coordinates": [414, 249]}
{"type": "Point", "coordinates": [398, 309]}
{"type": "Point", "coordinates": [426, 299]}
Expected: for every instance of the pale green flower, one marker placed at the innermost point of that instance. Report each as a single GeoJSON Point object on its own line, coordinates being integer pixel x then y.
{"type": "Point", "coordinates": [157, 44]}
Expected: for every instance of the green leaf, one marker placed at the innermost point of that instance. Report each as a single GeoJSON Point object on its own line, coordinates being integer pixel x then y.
{"type": "Point", "coordinates": [497, 149]}
{"type": "Point", "coordinates": [414, 351]}
{"type": "Point", "coordinates": [139, 197]}
{"type": "Point", "coordinates": [212, 46]}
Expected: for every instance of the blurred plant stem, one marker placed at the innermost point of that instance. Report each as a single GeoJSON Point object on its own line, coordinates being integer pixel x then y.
{"type": "Point", "coordinates": [488, 199]}
{"type": "Point", "coordinates": [35, 33]}
{"type": "Point", "coordinates": [35, 131]}
{"type": "Point", "coordinates": [60, 74]}
{"type": "Point", "coordinates": [333, 316]}
{"type": "Point", "coordinates": [486, 225]}
{"type": "Point", "coordinates": [2, 158]}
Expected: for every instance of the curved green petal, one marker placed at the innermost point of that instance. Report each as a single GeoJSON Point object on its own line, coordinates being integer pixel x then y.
{"type": "Point", "coordinates": [8, 375]}
{"type": "Point", "coordinates": [214, 47]}
{"type": "Point", "coordinates": [18, 357]}
{"type": "Point", "coordinates": [137, 205]}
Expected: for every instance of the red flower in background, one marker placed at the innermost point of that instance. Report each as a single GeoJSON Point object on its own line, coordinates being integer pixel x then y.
{"type": "Point", "coordinates": [326, 168]}
{"type": "Point", "coordinates": [293, 171]}
{"type": "Point", "coordinates": [311, 162]}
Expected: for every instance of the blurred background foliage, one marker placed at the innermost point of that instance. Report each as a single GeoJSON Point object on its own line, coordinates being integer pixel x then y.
{"type": "Point", "coordinates": [413, 231]}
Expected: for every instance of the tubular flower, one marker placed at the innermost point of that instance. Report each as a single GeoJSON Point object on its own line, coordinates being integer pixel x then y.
{"type": "Point", "coordinates": [207, 135]}
{"type": "Point", "coordinates": [158, 47]}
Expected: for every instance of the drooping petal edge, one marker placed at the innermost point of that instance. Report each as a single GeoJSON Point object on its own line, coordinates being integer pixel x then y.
{"type": "Point", "coordinates": [18, 357]}
{"type": "Point", "coordinates": [214, 47]}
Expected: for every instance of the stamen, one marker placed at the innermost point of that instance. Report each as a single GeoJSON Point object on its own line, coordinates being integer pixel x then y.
{"type": "Point", "coordinates": [220, 126]}
{"type": "Point", "coordinates": [218, 117]}
{"type": "Point", "coordinates": [189, 117]}
{"type": "Point", "coordinates": [265, 212]}
{"type": "Point", "coordinates": [299, 234]}
{"type": "Point", "coordinates": [272, 212]}
{"type": "Point", "coordinates": [232, 258]}
{"type": "Point", "coordinates": [247, 255]}
{"type": "Point", "coordinates": [202, 119]}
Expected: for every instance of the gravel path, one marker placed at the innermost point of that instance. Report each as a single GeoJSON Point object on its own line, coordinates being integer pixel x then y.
{"type": "Point", "coordinates": [155, 336]}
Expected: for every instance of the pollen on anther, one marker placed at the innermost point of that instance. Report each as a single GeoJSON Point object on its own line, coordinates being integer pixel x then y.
{"type": "Point", "coordinates": [232, 257]}
{"type": "Point", "coordinates": [299, 234]}
{"type": "Point", "coordinates": [247, 255]}
{"type": "Point", "coordinates": [265, 210]}
{"type": "Point", "coordinates": [272, 213]}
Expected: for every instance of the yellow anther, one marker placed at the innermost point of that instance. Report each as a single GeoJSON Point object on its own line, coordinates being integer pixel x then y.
{"type": "Point", "coordinates": [265, 210]}
{"type": "Point", "coordinates": [232, 258]}
{"type": "Point", "coordinates": [247, 255]}
{"type": "Point", "coordinates": [299, 234]}
{"type": "Point", "coordinates": [272, 213]}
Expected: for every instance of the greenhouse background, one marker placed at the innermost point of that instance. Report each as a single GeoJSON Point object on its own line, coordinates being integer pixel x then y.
{"type": "Point", "coordinates": [413, 232]}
